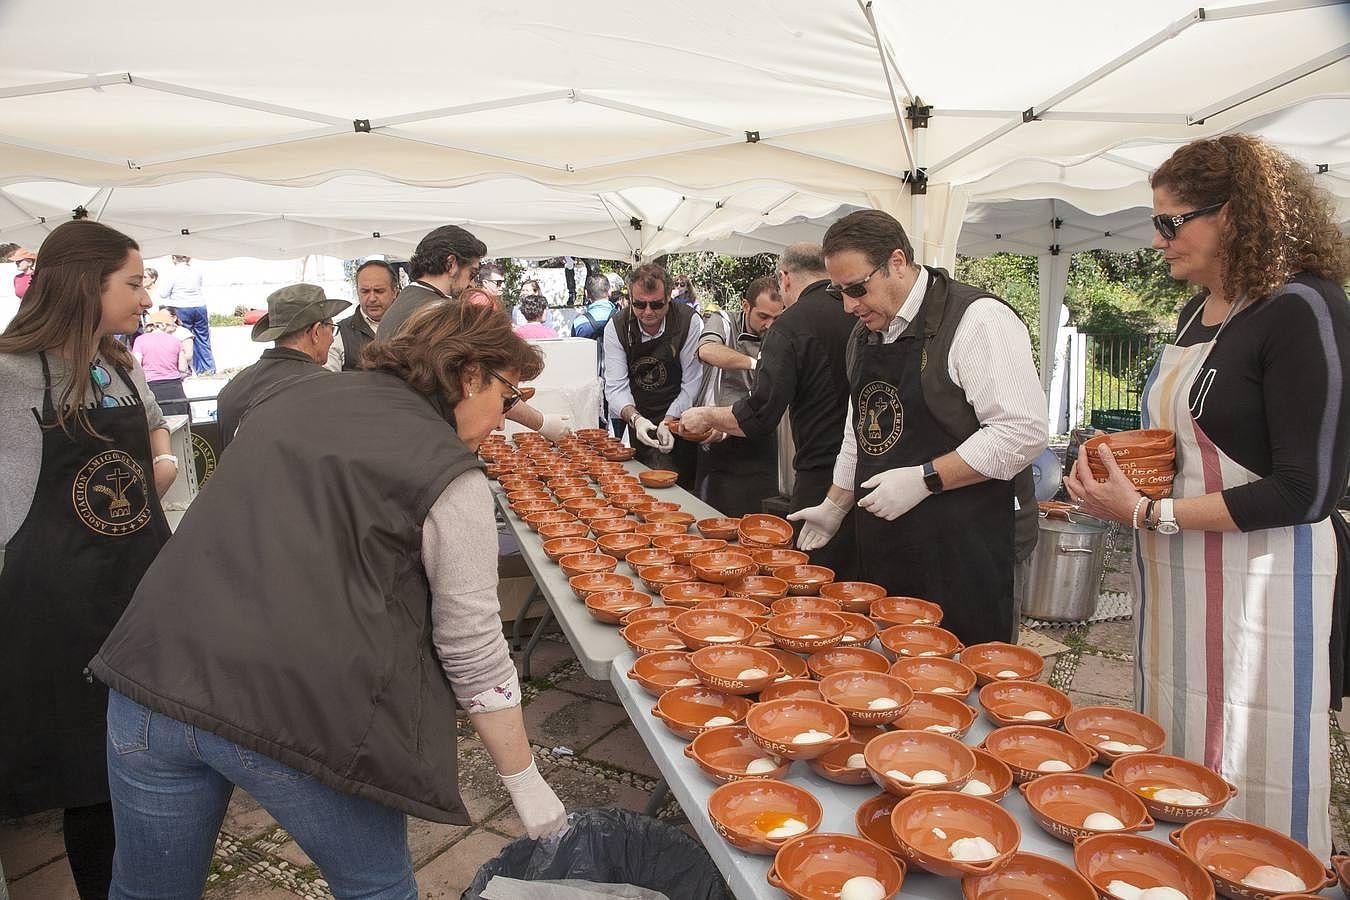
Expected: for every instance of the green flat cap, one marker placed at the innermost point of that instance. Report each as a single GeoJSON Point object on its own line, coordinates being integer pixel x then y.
{"type": "Point", "coordinates": [294, 307]}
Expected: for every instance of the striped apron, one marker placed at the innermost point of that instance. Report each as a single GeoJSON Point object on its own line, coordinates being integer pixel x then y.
{"type": "Point", "coordinates": [1232, 654]}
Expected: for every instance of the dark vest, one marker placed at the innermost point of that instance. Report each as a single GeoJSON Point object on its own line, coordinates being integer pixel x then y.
{"type": "Point", "coordinates": [276, 366]}
{"type": "Point", "coordinates": [356, 333]}
{"type": "Point", "coordinates": [654, 369]}
{"type": "Point", "coordinates": [947, 402]}
{"type": "Point", "coordinates": [290, 613]}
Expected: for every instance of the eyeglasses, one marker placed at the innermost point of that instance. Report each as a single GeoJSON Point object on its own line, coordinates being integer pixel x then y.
{"type": "Point", "coordinates": [509, 401]}
{"type": "Point", "coordinates": [856, 289]}
{"type": "Point", "coordinates": [101, 380]}
{"type": "Point", "coordinates": [1167, 225]}
{"type": "Point", "coordinates": [497, 281]}
{"type": "Point", "coordinates": [647, 304]}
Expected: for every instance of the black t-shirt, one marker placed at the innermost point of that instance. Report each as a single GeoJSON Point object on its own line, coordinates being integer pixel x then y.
{"type": "Point", "coordinates": [1272, 395]}
{"type": "Point", "coordinates": [801, 364]}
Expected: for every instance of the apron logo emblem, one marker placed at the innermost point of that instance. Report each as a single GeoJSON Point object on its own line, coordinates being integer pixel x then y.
{"type": "Point", "coordinates": [881, 418]}
{"type": "Point", "coordinates": [650, 373]}
{"type": "Point", "coordinates": [203, 458]}
{"type": "Point", "coordinates": [109, 494]}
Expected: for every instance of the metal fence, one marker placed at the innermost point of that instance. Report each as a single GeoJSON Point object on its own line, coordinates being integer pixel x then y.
{"type": "Point", "coordinates": [1115, 368]}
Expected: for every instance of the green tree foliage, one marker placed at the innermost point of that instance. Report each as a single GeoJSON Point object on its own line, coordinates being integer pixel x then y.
{"type": "Point", "coordinates": [720, 279]}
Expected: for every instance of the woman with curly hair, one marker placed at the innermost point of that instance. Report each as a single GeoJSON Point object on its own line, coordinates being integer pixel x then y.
{"type": "Point", "coordinates": [1241, 576]}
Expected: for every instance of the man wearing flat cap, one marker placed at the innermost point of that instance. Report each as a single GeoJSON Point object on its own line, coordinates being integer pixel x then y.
{"type": "Point", "coordinates": [300, 321]}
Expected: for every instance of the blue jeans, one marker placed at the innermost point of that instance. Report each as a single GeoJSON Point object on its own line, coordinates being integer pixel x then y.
{"type": "Point", "coordinates": [171, 783]}
{"type": "Point", "coordinates": [196, 320]}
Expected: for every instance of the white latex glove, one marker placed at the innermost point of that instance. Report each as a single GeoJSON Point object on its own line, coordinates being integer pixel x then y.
{"type": "Point", "coordinates": [665, 439]}
{"type": "Point", "coordinates": [645, 431]}
{"type": "Point", "coordinates": [539, 809]}
{"type": "Point", "coordinates": [555, 427]}
{"type": "Point", "coordinates": [896, 492]}
{"type": "Point", "coordinates": [819, 523]}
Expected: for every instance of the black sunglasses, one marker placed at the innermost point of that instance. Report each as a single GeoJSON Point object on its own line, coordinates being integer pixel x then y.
{"type": "Point", "coordinates": [509, 401]}
{"type": "Point", "coordinates": [1167, 225]}
{"type": "Point", "coordinates": [856, 289]}
{"type": "Point", "coordinates": [647, 304]}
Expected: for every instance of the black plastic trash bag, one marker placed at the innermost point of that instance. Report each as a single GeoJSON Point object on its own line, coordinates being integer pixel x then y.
{"type": "Point", "coordinates": [614, 846]}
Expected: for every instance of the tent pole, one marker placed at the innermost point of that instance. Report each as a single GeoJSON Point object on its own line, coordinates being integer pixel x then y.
{"type": "Point", "coordinates": [918, 204]}
{"type": "Point", "coordinates": [890, 86]}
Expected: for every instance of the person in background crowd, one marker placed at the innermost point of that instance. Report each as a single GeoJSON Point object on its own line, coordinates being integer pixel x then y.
{"type": "Point", "coordinates": [376, 287]}
{"type": "Point", "coordinates": [683, 292]}
{"type": "Point", "coordinates": [616, 290]}
{"type": "Point", "coordinates": [530, 287]}
{"type": "Point", "coordinates": [151, 279]}
{"type": "Point", "coordinates": [801, 368]}
{"type": "Point", "coordinates": [23, 260]}
{"type": "Point", "coordinates": [945, 411]}
{"type": "Point", "coordinates": [652, 372]}
{"type": "Point", "coordinates": [343, 604]}
{"type": "Point", "coordinates": [84, 453]}
{"type": "Point", "coordinates": [300, 320]}
{"type": "Point", "coordinates": [184, 293]}
{"type": "Point", "coordinates": [492, 278]}
{"type": "Point", "coordinates": [1242, 576]}
{"type": "Point", "coordinates": [165, 361]}
{"type": "Point", "coordinates": [737, 474]}
{"type": "Point", "coordinates": [480, 297]}
{"type": "Point", "coordinates": [590, 323]}
{"type": "Point", "coordinates": [533, 307]}
{"type": "Point", "coordinates": [570, 277]}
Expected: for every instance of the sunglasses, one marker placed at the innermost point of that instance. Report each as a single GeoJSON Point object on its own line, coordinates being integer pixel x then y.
{"type": "Point", "coordinates": [856, 289]}
{"type": "Point", "coordinates": [1167, 225]}
{"type": "Point", "coordinates": [101, 379]}
{"type": "Point", "coordinates": [647, 304]}
{"type": "Point", "coordinates": [509, 401]}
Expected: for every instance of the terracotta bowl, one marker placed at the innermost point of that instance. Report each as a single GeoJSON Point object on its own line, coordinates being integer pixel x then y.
{"type": "Point", "coordinates": [556, 548]}
{"type": "Point", "coordinates": [653, 614]}
{"type": "Point", "coordinates": [671, 517]}
{"type": "Point", "coordinates": [577, 505]}
{"type": "Point", "coordinates": [622, 543]}
{"type": "Point", "coordinates": [514, 497]}
{"type": "Point", "coordinates": [718, 527]}
{"type": "Point", "coordinates": [1025, 748]}
{"type": "Point", "coordinates": [1012, 702]}
{"type": "Point", "coordinates": [992, 773]}
{"type": "Point", "coordinates": [661, 671]}
{"type": "Point", "coordinates": [1132, 444]}
{"type": "Point", "coordinates": [935, 675]}
{"type": "Point", "coordinates": [686, 711]}
{"type": "Point", "coordinates": [746, 811]}
{"type": "Point", "coordinates": [591, 516]}
{"type": "Point", "coordinates": [855, 596]}
{"type": "Point", "coordinates": [905, 611]}
{"type": "Point", "coordinates": [572, 493]}
{"type": "Point", "coordinates": [658, 478]}
{"type": "Point", "coordinates": [1029, 875]}
{"type": "Point", "coordinates": [677, 428]}
{"type": "Point", "coordinates": [697, 546]}
{"type": "Point", "coordinates": [661, 506]}
{"type": "Point", "coordinates": [858, 629]}
{"type": "Point", "coordinates": [700, 628]}
{"type": "Point", "coordinates": [1341, 864]}
{"type": "Point", "coordinates": [723, 754]}
{"type": "Point", "coordinates": [911, 752]}
{"type": "Point", "coordinates": [721, 668]}
{"type": "Point", "coordinates": [590, 582]}
{"type": "Point", "coordinates": [591, 434]}
{"type": "Point", "coordinates": [605, 527]}
{"type": "Point", "coordinates": [659, 529]}
{"type": "Point", "coordinates": [582, 563]}
{"type": "Point", "coordinates": [691, 594]}
{"type": "Point", "coordinates": [610, 607]}
{"type": "Point", "coordinates": [804, 604]}
{"type": "Point", "coordinates": [792, 689]}
{"type": "Point", "coordinates": [763, 588]}
{"type": "Point", "coordinates": [1139, 861]}
{"type": "Point", "coordinates": [621, 483]}
{"type": "Point", "coordinates": [873, 821]}
{"type": "Point", "coordinates": [537, 520]}
{"type": "Point", "coordinates": [776, 724]}
{"type": "Point", "coordinates": [791, 663]}
{"type": "Point", "coordinates": [1061, 804]}
{"type": "Point", "coordinates": [804, 580]}
{"type": "Point", "coordinates": [646, 557]}
{"type": "Point", "coordinates": [768, 560]}
{"type": "Point", "coordinates": [938, 714]}
{"type": "Point", "coordinates": [1097, 725]}
{"type": "Point", "coordinates": [520, 483]}
{"type": "Point", "coordinates": [1144, 773]}
{"type": "Point", "coordinates": [657, 577]}
{"type": "Point", "coordinates": [673, 542]}
{"type": "Point", "coordinates": [652, 635]}
{"type": "Point", "coordinates": [854, 692]}
{"type": "Point", "coordinates": [804, 632]}
{"type": "Point", "coordinates": [633, 502]}
{"type": "Point", "coordinates": [840, 659]}
{"type": "Point", "coordinates": [926, 824]}
{"type": "Point", "coordinates": [834, 765]}
{"type": "Point", "coordinates": [997, 661]}
{"type": "Point", "coordinates": [523, 508]}
{"type": "Point", "coordinates": [761, 531]}
{"type": "Point", "coordinates": [816, 866]}
{"type": "Point", "coordinates": [619, 454]}
{"type": "Point", "coordinates": [563, 529]}
{"type": "Point", "coordinates": [919, 640]}
{"type": "Point", "coordinates": [720, 566]}
{"type": "Point", "coordinates": [713, 596]}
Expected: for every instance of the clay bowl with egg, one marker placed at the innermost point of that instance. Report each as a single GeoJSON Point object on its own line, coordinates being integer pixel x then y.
{"type": "Point", "coordinates": [761, 588]}
{"type": "Point", "coordinates": [873, 821]}
{"type": "Point", "coordinates": [563, 529]}
{"type": "Point", "coordinates": [537, 520]}
{"type": "Point", "coordinates": [653, 614]}
{"type": "Point", "coordinates": [718, 528]}
{"type": "Point", "coordinates": [797, 729]}
{"type": "Point", "coordinates": [1173, 789]}
{"type": "Point", "coordinates": [845, 764]}
{"type": "Point", "coordinates": [610, 607]}
{"type": "Point", "coordinates": [1031, 751]}
{"type": "Point", "coordinates": [804, 632]}
{"type": "Point", "coordinates": [655, 530]}
{"type": "Point", "coordinates": [621, 543]}
{"type": "Point", "coordinates": [997, 661]}
{"type": "Point", "coordinates": [838, 659]}
{"type": "Point", "coordinates": [760, 815]}
{"type": "Point", "coordinates": [792, 689]}
{"type": "Point", "coordinates": [728, 754]}
{"type": "Point", "coordinates": [905, 611]}
{"type": "Point", "coordinates": [1140, 862]}
{"type": "Point", "coordinates": [524, 508]}
{"type": "Point", "coordinates": [804, 604]}
{"type": "Point", "coordinates": [936, 830]}
{"type": "Point", "coordinates": [937, 713]}
{"type": "Point", "coordinates": [1113, 732]}
{"type": "Point", "coordinates": [775, 558]}
{"type": "Point", "coordinates": [713, 596]}
{"type": "Point", "coordinates": [919, 640]}
{"type": "Point", "coordinates": [697, 546]}
{"type": "Point", "coordinates": [1024, 703]}
{"type": "Point", "coordinates": [992, 779]}
{"type": "Point", "coordinates": [577, 505]}
{"type": "Point", "coordinates": [945, 762]}
{"type": "Point", "coordinates": [853, 596]}
{"type": "Point", "coordinates": [584, 563]}
{"type": "Point", "coordinates": [658, 478]}
{"type": "Point", "coordinates": [760, 531]}
{"type": "Point", "coordinates": [646, 557]}
{"type": "Point", "coordinates": [805, 580]}
{"type": "Point", "coordinates": [734, 670]}
{"type": "Point", "coordinates": [700, 628]}
{"type": "Point", "coordinates": [652, 635]}
{"type": "Point", "coordinates": [588, 583]}
{"type": "Point", "coordinates": [935, 675]}
{"type": "Point", "coordinates": [662, 671]}
{"type": "Point", "coordinates": [867, 698]}
{"type": "Point", "coordinates": [690, 594]}
{"type": "Point", "coordinates": [688, 711]}
{"type": "Point", "coordinates": [818, 866]}
{"type": "Point", "coordinates": [669, 517]}
{"type": "Point", "coordinates": [1065, 806]}
{"type": "Point", "coordinates": [1029, 875]}
{"type": "Point", "coordinates": [657, 577]}
{"type": "Point", "coordinates": [858, 629]}
{"type": "Point", "coordinates": [556, 548]}
{"type": "Point", "coordinates": [720, 565]}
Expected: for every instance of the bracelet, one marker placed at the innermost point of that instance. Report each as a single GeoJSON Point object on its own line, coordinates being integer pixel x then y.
{"type": "Point", "coordinates": [166, 456]}
{"type": "Point", "coordinates": [1134, 518]}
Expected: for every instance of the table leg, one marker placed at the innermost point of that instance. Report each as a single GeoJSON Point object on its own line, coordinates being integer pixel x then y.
{"type": "Point", "coordinates": [544, 622]}
{"type": "Point", "coordinates": [518, 626]}
{"type": "Point", "coordinates": [660, 794]}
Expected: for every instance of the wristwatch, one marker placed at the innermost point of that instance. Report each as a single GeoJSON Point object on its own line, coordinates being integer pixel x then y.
{"type": "Point", "coordinates": [1167, 522]}
{"type": "Point", "coordinates": [931, 479]}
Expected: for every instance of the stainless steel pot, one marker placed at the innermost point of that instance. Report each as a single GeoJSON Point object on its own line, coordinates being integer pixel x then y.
{"type": "Point", "coordinates": [1066, 568]}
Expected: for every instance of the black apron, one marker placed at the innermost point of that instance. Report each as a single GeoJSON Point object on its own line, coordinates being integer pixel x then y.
{"type": "Point", "coordinates": [954, 548]}
{"type": "Point", "coordinates": [736, 475]}
{"type": "Point", "coordinates": [655, 376]}
{"type": "Point", "coordinates": [70, 570]}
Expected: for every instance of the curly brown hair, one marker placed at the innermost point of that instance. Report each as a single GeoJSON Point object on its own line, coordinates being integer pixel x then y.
{"type": "Point", "coordinates": [1279, 222]}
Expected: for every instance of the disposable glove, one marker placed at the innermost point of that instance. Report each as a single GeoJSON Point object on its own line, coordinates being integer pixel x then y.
{"type": "Point", "coordinates": [539, 809]}
{"type": "Point", "coordinates": [665, 439]}
{"type": "Point", "coordinates": [819, 523]}
{"type": "Point", "coordinates": [645, 431]}
{"type": "Point", "coordinates": [895, 492]}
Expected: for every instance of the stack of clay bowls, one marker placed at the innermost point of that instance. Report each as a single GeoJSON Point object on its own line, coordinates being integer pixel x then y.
{"type": "Point", "coordinates": [1147, 457]}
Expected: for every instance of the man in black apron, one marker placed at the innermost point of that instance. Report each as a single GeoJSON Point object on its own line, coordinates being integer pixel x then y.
{"type": "Point", "coordinates": [933, 461]}
{"type": "Point", "coordinates": [94, 527]}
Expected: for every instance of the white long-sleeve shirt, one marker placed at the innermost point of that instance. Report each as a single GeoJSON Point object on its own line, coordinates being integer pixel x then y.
{"type": "Point", "coordinates": [619, 393]}
{"type": "Point", "coordinates": [991, 362]}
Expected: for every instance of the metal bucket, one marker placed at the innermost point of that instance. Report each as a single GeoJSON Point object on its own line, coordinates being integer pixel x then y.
{"type": "Point", "coordinates": [1066, 568]}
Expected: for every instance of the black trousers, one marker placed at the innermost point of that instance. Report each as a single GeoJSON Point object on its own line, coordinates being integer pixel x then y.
{"type": "Point", "coordinates": [736, 476]}
{"type": "Point", "coordinates": [841, 553]}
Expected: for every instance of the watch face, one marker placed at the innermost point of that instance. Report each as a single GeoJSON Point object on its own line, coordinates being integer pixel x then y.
{"type": "Point", "coordinates": [1168, 528]}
